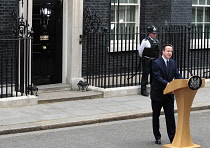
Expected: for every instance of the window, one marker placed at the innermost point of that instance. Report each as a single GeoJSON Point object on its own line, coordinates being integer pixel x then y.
{"type": "Point", "coordinates": [201, 13]}
{"type": "Point", "coordinates": [201, 19]}
{"type": "Point", "coordinates": [124, 23]}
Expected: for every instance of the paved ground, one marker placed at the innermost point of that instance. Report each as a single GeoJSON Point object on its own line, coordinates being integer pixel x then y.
{"type": "Point", "coordinates": [50, 114]}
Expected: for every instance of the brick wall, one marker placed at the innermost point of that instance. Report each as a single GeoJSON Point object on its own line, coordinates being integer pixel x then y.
{"type": "Point", "coordinates": [181, 12]}
{"type": "Point", "coordinates": [166, 12]}
{"type": "Point", "coordinates": [154, 12]}
{"type": "Point", "coordinates": [101, 8]}
{"type": "Point", "coordinates": [6, 47]}
{"type": "Point", "coordinates": [6, 19]}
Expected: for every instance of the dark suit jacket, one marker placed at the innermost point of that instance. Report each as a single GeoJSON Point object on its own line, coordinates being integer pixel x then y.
{"type": "Point", "coordinates": [161, 77]}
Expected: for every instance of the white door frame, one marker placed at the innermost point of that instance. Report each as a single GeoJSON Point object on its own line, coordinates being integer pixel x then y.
{"type": "Point", "coordinates": [72, 50]}
{"type": "Point", "coordinates": [72, 29]}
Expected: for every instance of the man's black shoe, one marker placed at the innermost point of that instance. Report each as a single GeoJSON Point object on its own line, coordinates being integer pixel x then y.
{"type": "Point", "coordinates": [158, 142]}
{"type": "Point", "coordinates": [144, 94]}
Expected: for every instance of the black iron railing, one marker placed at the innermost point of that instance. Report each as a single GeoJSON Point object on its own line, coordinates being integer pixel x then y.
{"type": "Point", "coordinates": [15, 70]}
{"type": "Point", "coordinates": [112, 60]}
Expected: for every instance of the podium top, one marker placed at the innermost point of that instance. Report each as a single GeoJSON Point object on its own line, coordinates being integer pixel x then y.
{"type": "Point", "coordinates": [178, 84]}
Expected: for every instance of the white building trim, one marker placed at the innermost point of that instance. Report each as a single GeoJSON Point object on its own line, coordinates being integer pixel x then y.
{"type": "Point", "coordinates": [72, 50]}
{"type": "Point", "coordinates": [72, 29]}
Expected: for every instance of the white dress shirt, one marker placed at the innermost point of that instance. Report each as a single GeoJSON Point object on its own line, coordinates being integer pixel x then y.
{"type": "Point", "coordinates": [165, 60]}
{"type": "Point", "coordinates": [144, 44]}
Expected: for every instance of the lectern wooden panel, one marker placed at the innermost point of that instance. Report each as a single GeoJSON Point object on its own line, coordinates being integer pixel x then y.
{"type": "Point", "coordinates": [184, 97]}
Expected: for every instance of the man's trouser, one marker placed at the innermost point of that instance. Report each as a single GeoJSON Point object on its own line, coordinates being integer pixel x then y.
{"type": "Point", "coordinates": [146, 70]}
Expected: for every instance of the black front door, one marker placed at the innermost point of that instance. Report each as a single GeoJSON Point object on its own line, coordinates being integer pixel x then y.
{"type": "Point", "coordinates": [47, 43]}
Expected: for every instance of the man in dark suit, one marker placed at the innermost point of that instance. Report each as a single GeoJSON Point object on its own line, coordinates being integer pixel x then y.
{"type": "Point", "coordinates": [163, 74]}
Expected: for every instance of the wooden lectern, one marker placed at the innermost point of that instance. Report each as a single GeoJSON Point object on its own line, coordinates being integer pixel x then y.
{"type": "Point", "coordinates": [184, 92]}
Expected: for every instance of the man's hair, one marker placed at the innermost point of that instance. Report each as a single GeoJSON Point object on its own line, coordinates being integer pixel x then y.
{"type": "Point", "coordinates": [164, 46]}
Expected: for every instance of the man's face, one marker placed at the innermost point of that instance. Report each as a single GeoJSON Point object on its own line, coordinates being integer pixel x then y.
{"type": "Point", "coordinates": [167, 53]}
{"type": "Point", "coordinates": [153, 35]}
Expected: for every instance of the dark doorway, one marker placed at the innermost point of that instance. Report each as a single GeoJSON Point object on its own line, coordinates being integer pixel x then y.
{"type": "Point", "coordinates": [47, 44]}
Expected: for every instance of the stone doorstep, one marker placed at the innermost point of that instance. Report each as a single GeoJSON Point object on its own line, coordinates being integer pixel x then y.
{"type": "Point", "coordinates": [67, 96]}
{"type": "Point", "coordinates": [48, 97]}
{"type": "Point", "coordinates": [53, 87]}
